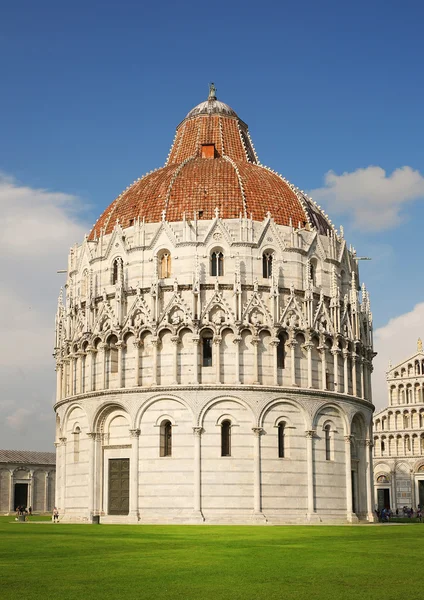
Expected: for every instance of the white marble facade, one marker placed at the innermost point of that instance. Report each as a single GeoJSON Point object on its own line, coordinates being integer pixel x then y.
{"type": "Point", "coordinates": [399, 437]}
{"type": "Point", "coordinates": [130, 354]}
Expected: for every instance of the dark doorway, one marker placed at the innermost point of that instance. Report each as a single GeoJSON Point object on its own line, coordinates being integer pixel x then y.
{"type": "Point", "coordinates": [421, 492]}
{"type": "Point", "coordinates": [21, 495]}
{"type": "Point", "coordinates": [383, 498]}
{"type": "Point", "coordinates": [119, 486]}
{"type": "Point", "coordinates": [354, 499]}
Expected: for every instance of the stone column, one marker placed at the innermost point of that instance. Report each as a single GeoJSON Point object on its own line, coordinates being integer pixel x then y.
{"type": "Point", "coordinates": [257, 508]}
{"type": "Point", "coordinates": [155, 342]}
{"type": "Point", "coordinates": [196, 343]}
{"type": "Point", "coordinates": [63, 473]}
{"type": "Point", "coordinates": [64, 377]}
{"type": "Point", "coordinates": [236, 342]}
{"type": "Point", "coordinates": [91, 384]}
{"type": "Point", "coordinates": [274, 346]}
{"type": "Point", "coordinates": [335, 351]}
{"type": "Point", "coordinates": [46, 492]}
{"type": "Point", "coordinates": [369, 480]}
{"type": "Point", "coordinates": [137, 345]}
{"type": "Point", "coordinates": [12, 491]}
{"type": "Point", "coordinates": [348, 463]}
{"type": "Point", "coordinates": [361, 375]}
{"type": "Point", "coordinates": [255, 343]}
{"type": "Point", "coordinates": [292, 345]}
{"type": "Point", "coordinates": [58, 475]}
{"type": "Point", "coordinates": [134, 469]}
{"type": "Point", "coordinates": [71, 364]}
{"type": "Point", "coordinates": [197, 486]}
{"type": "Point", "coordinates": [354, 382]}
{"type": "Point", "coordinates": [217, 345]}
{"type": "Point", "coordinates": [81, 357]}
{"type": "Point", "coordinates": [91, 450]}
{"type": "Point", "coordinates": [102, 348]}
{"type": "Point", "coordinates": [345, 353]}
{"type": "Point", "coordinates": [121, 346]}
{"type": "Point", "coordinates": [310, 474]}
{"type": "Point", "coordinates": [175, 341]}
{"type": "Point", "coordinates": [31, 486]}
{"type": "Point", "coordinates": [308, 347]}
{"type": "Point", "coordinates": [321, 350]}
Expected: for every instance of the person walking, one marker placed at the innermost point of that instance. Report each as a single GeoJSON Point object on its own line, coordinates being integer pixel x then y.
{"type": "Point", "coordinates": [55, 515]}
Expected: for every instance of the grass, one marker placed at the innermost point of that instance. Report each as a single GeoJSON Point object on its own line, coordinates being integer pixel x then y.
{"type": "Point", "coordinates": [67, 562]}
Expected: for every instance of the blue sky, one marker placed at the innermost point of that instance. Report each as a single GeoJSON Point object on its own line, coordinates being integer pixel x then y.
{"type": "Point", "coordinates": [92, 92]}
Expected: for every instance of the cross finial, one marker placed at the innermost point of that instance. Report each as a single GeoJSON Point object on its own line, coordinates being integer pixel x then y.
{"type": "Point", "coordinates": [212, 91]}
{"type": "Point", "coordinates": [163, 214]}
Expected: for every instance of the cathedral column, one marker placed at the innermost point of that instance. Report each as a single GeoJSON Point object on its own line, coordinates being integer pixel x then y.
{"type": "Point", "coordinates": [64, 375]}
{"type": "Point", "coordinates": [91, 384]}
{"type": "Point", "coordinates": [274, 344]}
{"type": "Point", "coordinates": [369, 480]}
{"type": "Point", "coordinates": [197, 486]}
{"type": "Point", "coordinates": [348, 463]}
{"type": "Point", "coordinates": [292, 345]}
{"type": "Point", "coordinates": [257, 509]}
{"type": "Point", "coordinates": [236, 342]}
{"type": "Point", "coordinates": [134, 470]}
{"type": "Point", "coordinates": [216, 344]}
{"type": "Point", "coordinates": [103, 362]}
{"type": "Point", "coordinates": [121, 346]}
{"type": "Point", "coordinates": [255, 343]}
{"type": "Point", "coordinates": [155, 342]}
{"type": "Point", "coordinates": [345, 353]}
{"type": "Point", "coordinates": [91, 451]}
{"type": "Point", "coordinates": [354, 382]}
{"type": "Point", "coordinates": [71, 362]}
{"type": "Point", "coordinates": [361, 375]}
{"type": "Point", "coordinates": [321, 350]}
{"type": "Point", "coordinates": [58, 476]}
{"type": "Point", "coordinates": [137, 345]}
{"type": "Point", "coordinates": [335, 351]}
{"type": "Point", "coordinates": [12, 491]}
{"type": "Point", "coordinates": [310, 465]}
{"type": "Point", "coordinates": [63, 458]}
{"type": "Point", "coordinates": [196, 343]}
{"type": "Point", "coordinates": [308, 347]}
{"type": "Point", "coordinates": [81, 355]}
{"type": "Point", "coordinates": [175, 341]}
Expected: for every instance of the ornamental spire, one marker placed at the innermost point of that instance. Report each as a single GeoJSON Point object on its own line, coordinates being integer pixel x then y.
{"type": "Point", "coordinates": [419, 345]}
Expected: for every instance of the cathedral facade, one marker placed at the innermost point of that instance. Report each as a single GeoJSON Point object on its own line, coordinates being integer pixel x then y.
{"type": "Point", "coordinates": [214, 348]}
{"type": "Point", "coordinates": [399, 437]}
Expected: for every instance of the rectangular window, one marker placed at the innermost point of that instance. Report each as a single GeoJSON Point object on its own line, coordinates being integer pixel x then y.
{"type": "Point", "coordinates": [280, 353]}
{"type": "Point", "coordinates": [207, 352]}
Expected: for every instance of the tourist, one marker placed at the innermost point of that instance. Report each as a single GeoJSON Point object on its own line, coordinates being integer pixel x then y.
{"type": "Point", "coordinates": [55, 515]}
{"type": "Point", "coordinates": [419, 514]}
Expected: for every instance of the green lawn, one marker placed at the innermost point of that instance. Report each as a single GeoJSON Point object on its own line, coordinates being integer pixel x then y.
{"type": "Point", "coordinates": [63, 562]}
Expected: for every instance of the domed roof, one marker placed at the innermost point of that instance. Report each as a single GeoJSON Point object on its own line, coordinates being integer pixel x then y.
{"type": "Point", "coordinates": [212, 165]}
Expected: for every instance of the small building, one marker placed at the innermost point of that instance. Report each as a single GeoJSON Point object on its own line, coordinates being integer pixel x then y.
{"type": "Point", "coordinates": [399, 437]}
{"type": "Point", "coordinates": [27, 479]}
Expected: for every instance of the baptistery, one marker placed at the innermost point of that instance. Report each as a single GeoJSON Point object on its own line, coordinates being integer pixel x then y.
{"type": "Point", "coordinates": [213, 348]}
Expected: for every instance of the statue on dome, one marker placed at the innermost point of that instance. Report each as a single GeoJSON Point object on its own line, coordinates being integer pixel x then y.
{"type": "Point", "coordinates": [419, 345]}
{"type": "Point", "coordinates": [212, 91]}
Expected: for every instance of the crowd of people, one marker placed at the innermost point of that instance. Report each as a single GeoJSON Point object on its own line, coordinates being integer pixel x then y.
{"type": "Point", "coordinates": [384, 515]}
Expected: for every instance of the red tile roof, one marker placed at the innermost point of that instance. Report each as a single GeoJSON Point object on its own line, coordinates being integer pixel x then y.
{"type": "Point", "coordinates": [234, 182]}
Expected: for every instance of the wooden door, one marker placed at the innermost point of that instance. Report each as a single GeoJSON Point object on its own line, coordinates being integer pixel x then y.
{"type": "Point", "coordinates": [119, 486]}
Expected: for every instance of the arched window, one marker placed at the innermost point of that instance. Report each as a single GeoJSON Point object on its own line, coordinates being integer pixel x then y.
{"type": "Point", "coordinates": [164, 263]}
{"type": "Point", "coordinates": [226, 438]}
{"type": "Point", "coordinates": [267, 258]}
{"type": "Point", "coordinates": [281, 440]}
{"type": "Point", "coordinates": [207, 351]}
{"type": "Point", "coordinates": [327, 432]}
{"type": "Point", "coordinates": [383, 447]}
{"type": "Point", "coordinates": [217, 263]}
{"type": "Point", "coordinates": [166, 438]}
{"type": "Point", "coordinates": [113, 355]}
{"type": "Point", "coordinates": [76, 436]}
{"type": "Point", "coordinates": [280, 352]}
{"type": "Point", "coordinates": [116, 270]}
{"type": "Point", "coordinates": [312, 275]}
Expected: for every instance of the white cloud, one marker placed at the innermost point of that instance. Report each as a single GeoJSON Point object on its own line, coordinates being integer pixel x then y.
{"type": "Point", "coordinates": [37, 228]}
{"type": "Point", "coordinates": [373, 199]}
{"type": "Point", "coordinates": [395, 341]}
